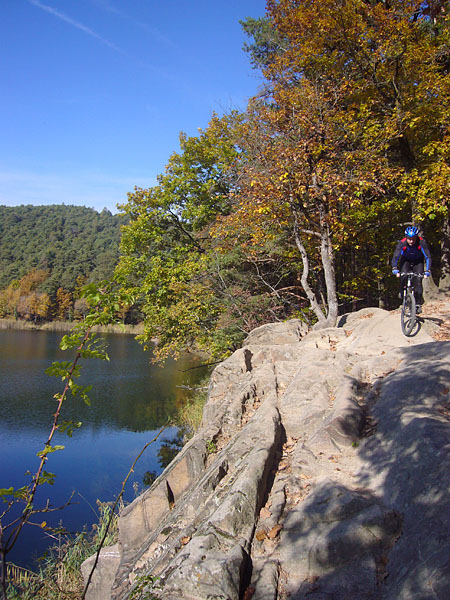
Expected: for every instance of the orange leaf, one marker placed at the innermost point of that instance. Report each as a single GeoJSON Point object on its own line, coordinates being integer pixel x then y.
{"type": "Point", "coordinates": [261, 535]}
{"type": "Point", "coordinates": [274, 531]}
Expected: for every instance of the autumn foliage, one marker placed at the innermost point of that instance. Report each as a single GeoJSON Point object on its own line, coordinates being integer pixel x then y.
{"type": "Point", "coordinates": [293, 207]}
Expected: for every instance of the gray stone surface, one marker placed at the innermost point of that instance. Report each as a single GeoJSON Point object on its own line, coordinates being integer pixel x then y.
{"type": "Point", "coordinates": [273, 334]}
{"type": "Point", "coordinates": [104, 574]}
{"type": "Point", "coordinates": [335, 533]}
{"type": "Point", "coordinates": [329, 479]}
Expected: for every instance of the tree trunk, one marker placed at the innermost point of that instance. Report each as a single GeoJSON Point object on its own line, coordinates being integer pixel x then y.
{"type": "Point", "coordinates": [327, 256]}
{"type": "Point", "coordinates": [381, 289]}
{"type": "Point", "coordinates": [444, 281]}
{"type": "Point", "coordinates": [304, 278]}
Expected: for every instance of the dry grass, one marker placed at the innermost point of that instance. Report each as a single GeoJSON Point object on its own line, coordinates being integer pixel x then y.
{"type": "Point", "coordinates": [66, 326]}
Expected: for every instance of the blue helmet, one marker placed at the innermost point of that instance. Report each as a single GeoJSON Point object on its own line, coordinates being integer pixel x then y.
{"type": "Point", "coordinates": [411, 231]}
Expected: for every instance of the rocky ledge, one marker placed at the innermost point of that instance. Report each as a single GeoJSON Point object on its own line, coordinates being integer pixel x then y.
{"type": "Point", "coordinates": [320, 472]}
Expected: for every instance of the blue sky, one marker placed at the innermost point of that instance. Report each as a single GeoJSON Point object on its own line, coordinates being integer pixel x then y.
{"type": "Point", "coordinates": [95, 92]}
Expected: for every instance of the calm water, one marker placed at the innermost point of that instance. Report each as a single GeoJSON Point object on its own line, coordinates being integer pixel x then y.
{"type": "Point", "coordinates": [130, 400]}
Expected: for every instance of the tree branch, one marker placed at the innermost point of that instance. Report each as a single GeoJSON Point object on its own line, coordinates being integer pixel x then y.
{"type": "Point", "coordinates": [111, 515]}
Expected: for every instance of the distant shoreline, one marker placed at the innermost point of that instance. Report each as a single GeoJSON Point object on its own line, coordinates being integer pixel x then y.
{"type": "Point", "coordinates": [68, 326]}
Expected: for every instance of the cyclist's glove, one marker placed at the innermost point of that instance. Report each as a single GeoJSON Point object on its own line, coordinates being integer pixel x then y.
{"type": "Point", "coordinates": [427, 274]}
{"type": "Point", "coordinates": [394, 271]}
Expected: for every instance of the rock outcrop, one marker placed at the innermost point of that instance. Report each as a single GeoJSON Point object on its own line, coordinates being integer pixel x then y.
{"type": "Point", "coordinates": [320, 471]}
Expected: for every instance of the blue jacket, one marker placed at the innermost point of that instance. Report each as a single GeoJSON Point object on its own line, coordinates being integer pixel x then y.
{"type": "Point", "coordinates": [417, 253]}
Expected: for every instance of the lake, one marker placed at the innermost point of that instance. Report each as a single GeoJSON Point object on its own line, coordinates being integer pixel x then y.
{"type": "Point", "coordinates": [130, 400]}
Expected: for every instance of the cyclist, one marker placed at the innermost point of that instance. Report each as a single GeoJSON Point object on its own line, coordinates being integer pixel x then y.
{"type": "Point", "coordinates": [412, 254]}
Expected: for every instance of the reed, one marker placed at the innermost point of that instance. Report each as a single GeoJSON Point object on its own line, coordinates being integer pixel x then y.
{"type": "Point", "coordinates": [68, 326]}
{"type": "Point", "coordinates": [190, 414]}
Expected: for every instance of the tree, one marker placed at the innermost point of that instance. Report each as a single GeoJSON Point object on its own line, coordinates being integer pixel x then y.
{"type": "Point", "coordinates": [63, 303]}
{"type": "Point", "coordinates": [81, 308]}
{"type": "Point", "coordinates": [335, 152]}
{"type": "Point", "coordinates": [34, 306]}
{"type": "Point", "coordinates": [344, 145]}
{"type": "Point", "coordinates": [9, 299]}
{"type": "Point", "coordinates": [267, 42]}
{"type": "Point", "coordinates": [32, 281]}
{"type": "Point", "coordinates": [196, 290]}
{"type": "Point", "coordinates": [166, 248]}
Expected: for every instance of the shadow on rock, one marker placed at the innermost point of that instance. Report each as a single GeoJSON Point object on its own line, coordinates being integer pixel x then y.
{"type": "Point", "coordinates": [388, 537]}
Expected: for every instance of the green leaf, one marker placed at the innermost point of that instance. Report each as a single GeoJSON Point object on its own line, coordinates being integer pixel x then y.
{"type": "Point", "coordinates": [18, 494]}
{"type": "Point", "coordinates": [68, 427]}
{"type": "Point", "coordinates": [86, 399]}
{"type": "Point", "coordinates": [59, 369]}
{"type": "Point", "coordinates": [75, 339]}
{"type": "Point", "coordinates": [47, 477]}
{"type": "Point", "coordinates": [49, 450]}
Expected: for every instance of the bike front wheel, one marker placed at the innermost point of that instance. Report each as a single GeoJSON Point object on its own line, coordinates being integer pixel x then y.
{"type": "Point", "coordinates": [408, 316]}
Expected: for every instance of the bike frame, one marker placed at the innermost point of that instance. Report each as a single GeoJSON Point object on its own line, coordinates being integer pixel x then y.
{"type": "Point", "coordinates": [408, 314]}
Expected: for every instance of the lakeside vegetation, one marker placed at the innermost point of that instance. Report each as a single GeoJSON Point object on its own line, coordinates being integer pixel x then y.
{"type": "Point", "coordinates": [68, 326]}
{"type": "Point", "coordinates": [59, 575]}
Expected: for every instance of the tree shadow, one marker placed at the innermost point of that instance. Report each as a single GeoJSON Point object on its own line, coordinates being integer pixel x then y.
{"type": "Point", "coordinates": [420, 321]}
{"type": "Point", "coordinates": [388, 535]}
{"type": "Point", "coordinates": [436, 320]}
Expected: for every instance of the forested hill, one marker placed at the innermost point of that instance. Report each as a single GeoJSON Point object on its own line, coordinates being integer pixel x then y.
{"type": "Point", "coordinates": [65, 241]}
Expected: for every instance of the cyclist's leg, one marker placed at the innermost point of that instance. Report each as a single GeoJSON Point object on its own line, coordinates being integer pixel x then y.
{"type": "Point", "coordinates": [418, 288]}
{"type": "Point", "coordinates": [404, 266]}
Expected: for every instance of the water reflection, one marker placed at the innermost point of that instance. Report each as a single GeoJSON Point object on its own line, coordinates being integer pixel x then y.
{"type": "Point", "coordinates": [128, 393]}
{"type": "Point", "coordinates": [130, 400]}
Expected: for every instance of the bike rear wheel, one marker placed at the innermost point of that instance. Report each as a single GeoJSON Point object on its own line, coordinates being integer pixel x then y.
{"type": "Point", "coordinates": [408, 316]}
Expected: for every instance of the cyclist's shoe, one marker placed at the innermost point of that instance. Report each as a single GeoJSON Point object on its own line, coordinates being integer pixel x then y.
{"type": "Point", "coordinates": [418, 309]}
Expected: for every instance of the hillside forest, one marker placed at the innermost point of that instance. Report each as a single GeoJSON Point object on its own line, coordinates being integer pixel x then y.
{"type": "Point", "coordinates": [47, 254]}
{"type": "Point", "coordinates": [293, 207]}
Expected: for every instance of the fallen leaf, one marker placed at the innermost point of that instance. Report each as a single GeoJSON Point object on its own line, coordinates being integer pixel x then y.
{"type": "Point", "coordinates": [274, 531]}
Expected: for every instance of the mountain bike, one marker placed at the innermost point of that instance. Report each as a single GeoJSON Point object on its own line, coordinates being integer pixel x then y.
{"type": "Point", "coordinates": [408, 315]}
